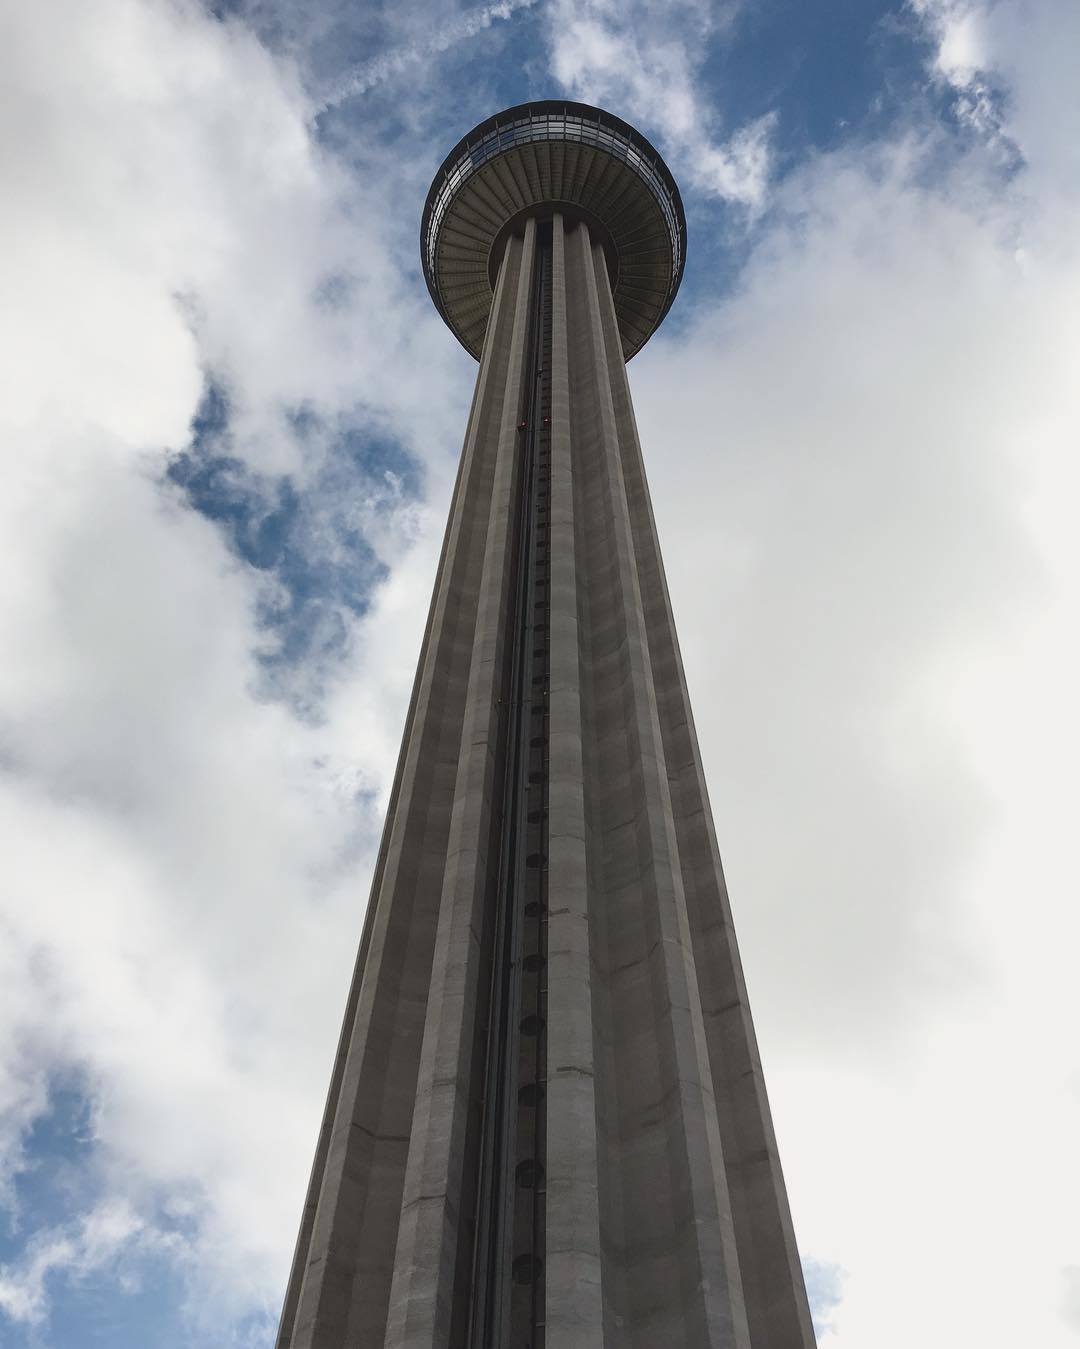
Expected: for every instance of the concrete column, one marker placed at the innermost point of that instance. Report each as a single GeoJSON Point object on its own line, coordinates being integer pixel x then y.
{"type": "Point", "coordinates": [574, 1262]}
{"type": "Point", "coordinates": [671, 1267]}
{"type": "Point", "coordinates": [665, 1220]}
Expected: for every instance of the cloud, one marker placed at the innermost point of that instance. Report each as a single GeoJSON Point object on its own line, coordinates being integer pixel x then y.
{"type": "Point", "coordinates": [860, 467]}
{"type": "Point", "coordinates": [957, 28]}
{"type": "Point", "coordinates": [148, 205]}
{"type": "Point", "coordinates": [1071, 1299]}
{"type": "Point", "coordinates": [642, 60]}
{"type": "Point", "coordinates": [836, 544]}
{"type": "Point", "coordinates": [97, 1242]}
{"type": "Point", "coordinates": [1025, 47]}
{"type": "Point", "coordinates": [861, 486]}
{"type": "Point", "coordinates": [390, 64]}
{"type": "Point", "coordinates": [825, 1290]}
{"type": "Point", "coordinates": [184, 849]}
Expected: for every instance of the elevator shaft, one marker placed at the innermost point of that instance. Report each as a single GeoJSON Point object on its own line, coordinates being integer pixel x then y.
{"type": "Point", "coordinates": [508, 1276]}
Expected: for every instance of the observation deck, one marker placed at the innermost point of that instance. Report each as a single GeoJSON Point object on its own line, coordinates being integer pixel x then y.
{"type": "Point", "coordinates": [534, 160]}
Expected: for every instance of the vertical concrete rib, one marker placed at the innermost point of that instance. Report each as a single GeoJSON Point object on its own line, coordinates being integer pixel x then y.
{"type": "Point", "coordinates": [771, 1274]}
{"type": "Point", "coordinates": [676, 1270]}
{"type": "Point", "coordinates": [574, 1308]}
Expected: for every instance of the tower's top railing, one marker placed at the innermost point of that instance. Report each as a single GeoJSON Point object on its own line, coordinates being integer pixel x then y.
{"type": "Point", "coordinates": [535, 159]}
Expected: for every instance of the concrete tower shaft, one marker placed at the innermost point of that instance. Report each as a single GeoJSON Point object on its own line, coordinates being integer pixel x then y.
{"type": "Point", "coordinates": [547, 1126]}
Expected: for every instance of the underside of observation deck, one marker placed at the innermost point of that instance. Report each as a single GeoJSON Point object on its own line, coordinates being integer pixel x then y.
{"type": "Point", "coordinates": [537, 159]}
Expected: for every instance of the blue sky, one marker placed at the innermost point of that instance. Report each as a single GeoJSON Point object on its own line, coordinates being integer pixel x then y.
{"type": "Point", "coordinates": [230, 424]}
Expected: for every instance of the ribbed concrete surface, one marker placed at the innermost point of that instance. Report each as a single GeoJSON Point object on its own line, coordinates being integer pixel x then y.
{"type": "Point", "coordinates": [666, 1219]}
{"type": "Point", "coordinates": [695, 1239]}
{"type": "Point", "coordinates": [391, 1162]}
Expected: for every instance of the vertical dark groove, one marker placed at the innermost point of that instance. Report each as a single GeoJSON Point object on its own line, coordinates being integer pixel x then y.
{"type": "Point", "coordinates": [507, 1296]}
{"type": "Point", "coordinates": [530, 1189]}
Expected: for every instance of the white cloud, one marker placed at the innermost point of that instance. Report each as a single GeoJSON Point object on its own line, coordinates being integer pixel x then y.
{"type": "Point", "coordinates": [842, 464]}
{"type": "Point", "coordinates": [396, 61]}
{"type": "Point", "coordinates": [96, 1242]}
{"type": "Point", "coordinates": [641, 60]}
{"type": "Point", "coordinates": [957, 27]}
{"type": "Point", "coordinates": [154, 154]}
{"type": "Point", "coordinates": [185, 862]}
{"type": "Point", "coordinates": [864, 485]}
{"type": "Point", "coordinates": [825, 1290]}
{"type": "Point", "coordinates": [1029, 47]}
{"type": "Point", "coordinates": [1071, 1300]}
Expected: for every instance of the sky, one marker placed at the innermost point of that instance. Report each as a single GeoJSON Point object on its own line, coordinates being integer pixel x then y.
{"type": "Point", "coordinates": [230, 419]}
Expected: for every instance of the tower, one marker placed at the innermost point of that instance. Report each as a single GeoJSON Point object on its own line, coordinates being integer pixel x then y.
{"type": "Point", "coordinates": [547, 1126]}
